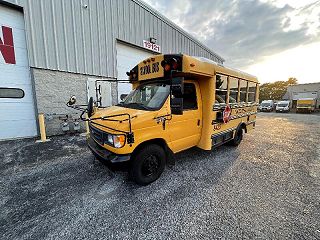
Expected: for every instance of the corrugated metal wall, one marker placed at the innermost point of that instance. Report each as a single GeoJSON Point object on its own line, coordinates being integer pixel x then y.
{"type": "Point", "coordinates": [64, 35]}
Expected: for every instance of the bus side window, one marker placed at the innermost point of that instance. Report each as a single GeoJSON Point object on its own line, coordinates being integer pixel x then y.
{"type": "Point", "coordinates": [233, 94]}
{"type": "Point", "coordinates": [221, 88]}
{"type": "Point", "coordinates": [243, 91]}
{"type": "Point", "coordinates": [252, 92]}
{"type": "Point", "coordinates": [190, 97]}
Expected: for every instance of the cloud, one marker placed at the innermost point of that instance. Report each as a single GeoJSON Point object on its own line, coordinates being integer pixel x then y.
{"type": "Point", "coordinates": [244, 32]}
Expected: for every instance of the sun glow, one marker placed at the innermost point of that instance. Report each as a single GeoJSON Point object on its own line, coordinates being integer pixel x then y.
{"type": "Point", "coordinates": [301, 62]}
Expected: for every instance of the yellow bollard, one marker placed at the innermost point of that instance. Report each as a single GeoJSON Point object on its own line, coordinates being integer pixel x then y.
{"type": "Point", "coordinates": [87, 133]}
{"type": "Point", "coordinates": [42, 129]}
{"type": "Point", "coordinates": [87, 125]}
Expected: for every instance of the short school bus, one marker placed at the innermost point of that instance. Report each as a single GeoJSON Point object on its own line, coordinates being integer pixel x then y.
{"type": "Point", "coordinates": [177, 102]}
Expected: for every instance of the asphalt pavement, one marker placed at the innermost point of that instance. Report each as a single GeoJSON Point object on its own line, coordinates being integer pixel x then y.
{"type": "Point", "coordinates": [266, 188]}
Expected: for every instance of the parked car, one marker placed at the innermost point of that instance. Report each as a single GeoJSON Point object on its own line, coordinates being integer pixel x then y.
{"type": "Point", "coordinates": [267, 106]}
{"type": "Point", "coordinates": [283, 106]}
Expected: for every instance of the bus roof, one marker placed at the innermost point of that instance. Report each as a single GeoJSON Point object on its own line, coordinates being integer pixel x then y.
{"type": "Point", "coordinates": [153, 68]}
{"type": "Point", "coordinates": [227, 70]}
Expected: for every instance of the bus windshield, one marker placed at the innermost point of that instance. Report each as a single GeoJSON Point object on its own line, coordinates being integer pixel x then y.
{"type": "Point", "coordinates": [149, 96]}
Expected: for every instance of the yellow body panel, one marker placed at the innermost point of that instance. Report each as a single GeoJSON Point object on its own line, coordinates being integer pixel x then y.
{"type": "Point", "coordinates": [185, 130]}
{"type": "Point", "coordinates": [310, 102]}
{"type": "Point", "coordinates": [144, 125]}
{"type": "Point", "coordinates": [306, 105]}
{"type": "Point", "coordinates": [194, 127]}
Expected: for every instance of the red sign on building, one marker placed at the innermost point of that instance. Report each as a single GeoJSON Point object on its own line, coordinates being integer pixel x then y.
{"type": "Point", "coordinates": [7, 46]}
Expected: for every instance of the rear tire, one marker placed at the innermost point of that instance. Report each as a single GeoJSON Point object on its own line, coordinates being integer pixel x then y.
{"type": "Point", "coordinates": [148, 164]}
{"type": "Point", "coordinates": [238, 137]}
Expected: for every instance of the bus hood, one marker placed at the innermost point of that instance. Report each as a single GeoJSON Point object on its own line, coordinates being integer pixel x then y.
{"type": "Point", "coordinates": [139, 119]}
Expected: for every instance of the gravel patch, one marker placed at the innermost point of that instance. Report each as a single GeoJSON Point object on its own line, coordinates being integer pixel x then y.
{"type": "Point", "coordinates": [266, 188]}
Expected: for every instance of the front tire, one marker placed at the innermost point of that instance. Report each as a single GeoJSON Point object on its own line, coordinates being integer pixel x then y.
{"type": "Point", "coordinates": [148, 164]}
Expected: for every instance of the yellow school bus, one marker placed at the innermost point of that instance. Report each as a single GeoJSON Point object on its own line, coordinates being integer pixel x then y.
{"type": "Point", "coordinates": [177, 102]}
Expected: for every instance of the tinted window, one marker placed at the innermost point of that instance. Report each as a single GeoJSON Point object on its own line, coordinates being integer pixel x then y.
{"type": "Point", "coordinates": [189, 97]}
{"type": "Point", "coordinates": [233, 88]}
{"type": "Point", "coordinates": [251, 97]}
{"type": "Point", "coordinates": [252, 87]}
{"type": "Point", "coordinates": [221, 88]}
{"type": "Point", "coordinates": [11, 93]}
{"type": "Point", "coordinates": [243, 90]}
{"type": "Point", "coordinates": [233, 84]}
{"type": "Point", "coordinates": [232, 100]}
{"type": "Point", "coordinates": [234, 96]}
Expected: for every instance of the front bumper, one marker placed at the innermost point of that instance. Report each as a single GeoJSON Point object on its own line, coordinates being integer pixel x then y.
{"type": "Point", "coordinates": [105, 155]}
{"type": "Point", "coordinates": [282, 110]}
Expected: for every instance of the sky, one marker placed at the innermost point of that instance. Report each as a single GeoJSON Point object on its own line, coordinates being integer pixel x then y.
{"type": "Point", "coordinates": [272, 39]}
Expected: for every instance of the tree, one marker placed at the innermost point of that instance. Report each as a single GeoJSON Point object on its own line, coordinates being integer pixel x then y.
{"type": "Point", "coordinates": [275, 90]}
{"type": "Point", "coordinates": [292, 81]}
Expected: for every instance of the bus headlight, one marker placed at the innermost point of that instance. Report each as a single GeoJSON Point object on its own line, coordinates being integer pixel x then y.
{"type": "Point", "coordinates": [116, 141]}
{"type": "Point", "coordinates": [119, 141]}
{"type": "Point", "coordinates": [110, 139]}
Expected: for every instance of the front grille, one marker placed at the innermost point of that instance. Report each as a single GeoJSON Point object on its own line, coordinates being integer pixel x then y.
{"type": "Point", "coordinates": [97, 134]}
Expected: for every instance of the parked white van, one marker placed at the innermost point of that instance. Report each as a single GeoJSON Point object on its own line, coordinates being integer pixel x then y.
{"type": "Point", "coordinates": [267, 106]}
{"type": "Point", "coordinates": [283, 106]}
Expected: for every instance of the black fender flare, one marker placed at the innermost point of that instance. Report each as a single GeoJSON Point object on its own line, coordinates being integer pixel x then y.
{"type": "Point", "coordinates": [170, 159]}
{"type": "Point", "coordinates": [242, 125]}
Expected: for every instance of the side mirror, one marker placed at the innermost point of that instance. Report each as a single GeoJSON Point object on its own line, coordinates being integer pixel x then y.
{"type": "Point", "coordinates": [123, 96]}
{"type": "Point", "coordinates": [176, 105]}
{"type": "Point", "coordinates": [72, 100]}
{"type": "Point", "coordinates": [177, 88]}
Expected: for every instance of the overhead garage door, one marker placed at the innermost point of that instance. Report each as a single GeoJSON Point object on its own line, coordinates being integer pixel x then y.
{"type": "Point", "coordinates": [127, 58]}
{"type": "Point", "coordinates": [17, 113]}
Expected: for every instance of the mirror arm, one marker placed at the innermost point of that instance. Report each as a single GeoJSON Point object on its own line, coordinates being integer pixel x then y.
{"type": "Point", "coordinates": [77, 107]}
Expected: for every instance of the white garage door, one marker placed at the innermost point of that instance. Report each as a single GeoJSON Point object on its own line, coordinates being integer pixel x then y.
{"type": "Point", "coordinates": [17, 114]}
{"type": "Point", "coordinates": [127, 58]}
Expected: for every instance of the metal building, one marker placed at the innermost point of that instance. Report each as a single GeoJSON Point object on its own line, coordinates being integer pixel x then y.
{"type": "Point", "coordinates": [299, 91]}
{"type": "Point", "coordinates": [57, 48]}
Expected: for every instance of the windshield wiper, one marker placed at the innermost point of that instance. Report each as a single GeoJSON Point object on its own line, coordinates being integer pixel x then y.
{"type": "Point", "coordinates": [133, 104]}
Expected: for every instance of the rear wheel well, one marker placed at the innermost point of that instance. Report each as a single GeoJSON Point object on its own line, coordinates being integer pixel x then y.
{"type": "Point", "coordinates": [243, 126]}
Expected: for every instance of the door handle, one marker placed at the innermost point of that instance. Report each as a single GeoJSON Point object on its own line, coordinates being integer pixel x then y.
{"type": "Point", "coordinates": [198, 122]}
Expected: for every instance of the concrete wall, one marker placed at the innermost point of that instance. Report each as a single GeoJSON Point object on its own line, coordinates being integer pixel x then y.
{"type": "Point", "coordinates": [53, 89]}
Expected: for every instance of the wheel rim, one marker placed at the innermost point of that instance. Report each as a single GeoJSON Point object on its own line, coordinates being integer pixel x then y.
{"type": "Point", "coordinates": [150, 166]}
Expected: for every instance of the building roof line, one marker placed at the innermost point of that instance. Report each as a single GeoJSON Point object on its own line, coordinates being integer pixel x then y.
{"type": "Point", "coordinates": [300, 84]}
{"type": "Point", "coordinates": [160, 16]}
